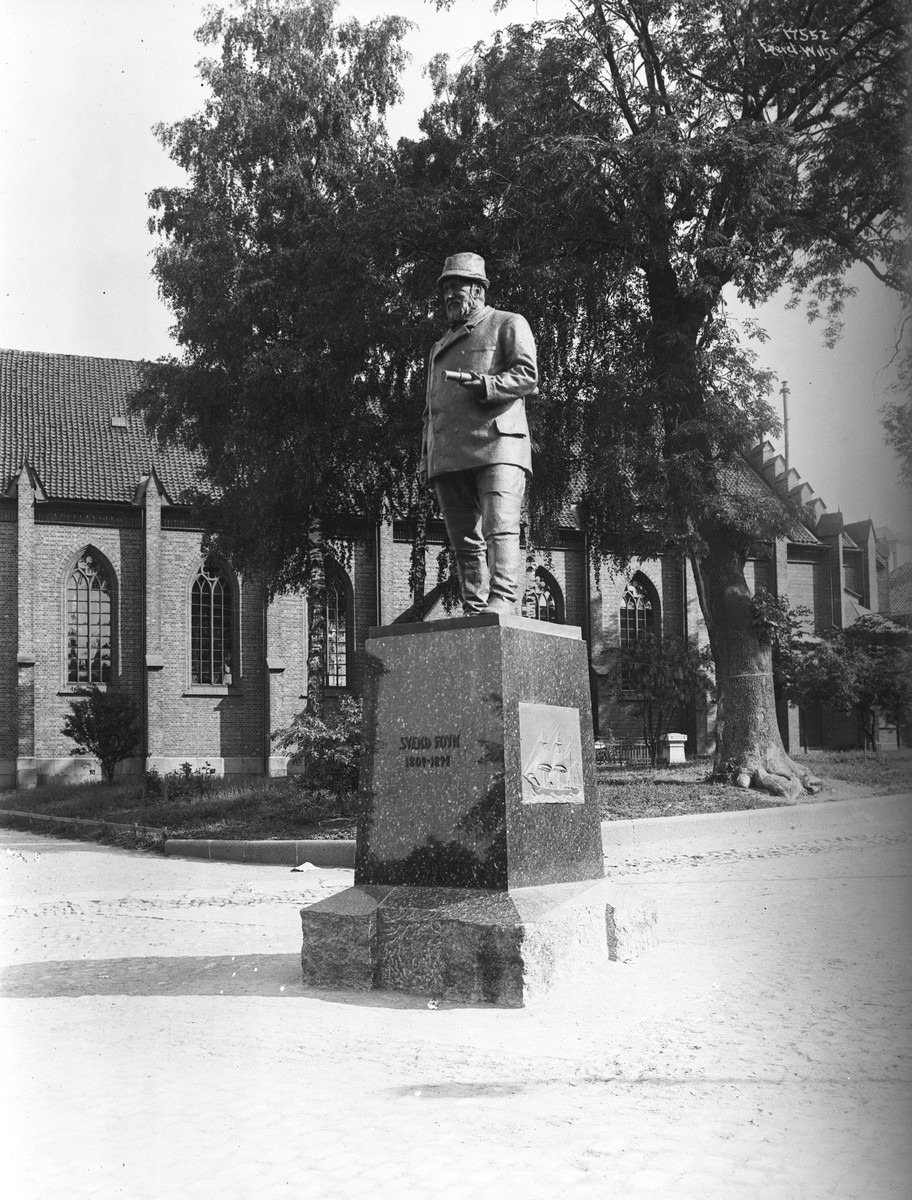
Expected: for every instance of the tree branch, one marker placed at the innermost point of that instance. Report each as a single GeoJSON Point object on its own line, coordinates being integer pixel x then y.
{"type": "Point", "coordinates": [649, 46]}
{"type": "Point", "coordinates": [620, 93]}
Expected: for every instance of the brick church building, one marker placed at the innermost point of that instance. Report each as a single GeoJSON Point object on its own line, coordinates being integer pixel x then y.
{"type": "Point", "coordinates": [103, 581]}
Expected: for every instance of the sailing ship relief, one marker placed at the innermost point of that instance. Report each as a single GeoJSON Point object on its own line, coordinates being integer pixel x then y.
{"type": "Point", "coordinates": [552, 755]}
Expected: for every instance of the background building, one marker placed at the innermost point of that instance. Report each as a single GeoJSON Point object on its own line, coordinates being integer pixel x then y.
{"type": "Point", "coordinates": [103, 581]}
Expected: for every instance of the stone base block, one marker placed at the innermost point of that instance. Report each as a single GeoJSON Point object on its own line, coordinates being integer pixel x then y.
{"type": "Point", "coordinates": [472, 945]}
{"type": "Point", "coordinates": [479, 769]}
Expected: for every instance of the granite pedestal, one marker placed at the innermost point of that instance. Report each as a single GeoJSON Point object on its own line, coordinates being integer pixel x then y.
{"type": "Point", "coordinates": [478, 868]}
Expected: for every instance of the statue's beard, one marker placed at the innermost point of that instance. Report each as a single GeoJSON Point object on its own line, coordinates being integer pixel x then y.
{"type": "Point", "coordinates": [458, 310]}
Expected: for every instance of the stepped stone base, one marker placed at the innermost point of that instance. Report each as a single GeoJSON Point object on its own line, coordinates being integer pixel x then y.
{"type": "Point", "coordinates": [472, 945]}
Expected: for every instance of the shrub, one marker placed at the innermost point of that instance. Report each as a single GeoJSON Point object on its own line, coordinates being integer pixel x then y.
{"type": "Point", "coordinates": [328, 748]}
{"type": "Point", "coordinates": [103, 725]}
{"type": "Point", "coordinates": [178, 785]}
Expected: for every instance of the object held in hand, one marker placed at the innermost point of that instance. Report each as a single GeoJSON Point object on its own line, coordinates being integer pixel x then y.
{"type": "Point", "coordinates": [459, 376]}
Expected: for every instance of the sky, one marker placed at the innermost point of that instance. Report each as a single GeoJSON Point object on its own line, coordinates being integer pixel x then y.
{"type": "Point", "coordinates": [82, 83]}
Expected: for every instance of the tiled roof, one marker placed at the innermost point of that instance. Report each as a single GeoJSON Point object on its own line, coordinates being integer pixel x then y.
{"type": "Point", "coordinates": [901, 590]}
{"type": "Point", "coordinates": [55, 412]}
{"type": "Point", "coordinates": [745, 479]}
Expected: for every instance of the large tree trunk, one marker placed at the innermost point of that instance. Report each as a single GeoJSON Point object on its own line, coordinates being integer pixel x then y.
{"type": "Point", "coordinates": [749, 749]}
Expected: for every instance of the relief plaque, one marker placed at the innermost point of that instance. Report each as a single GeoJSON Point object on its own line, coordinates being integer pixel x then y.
{"type": "Point", "coordinates": [552, 754]}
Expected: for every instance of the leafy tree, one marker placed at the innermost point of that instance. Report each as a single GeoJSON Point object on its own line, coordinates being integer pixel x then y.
{"type": "Point", "coordinates": [881, 655]}
{"type": "Point", "coordinates": [623, 167]}
{"type": "Point", "coordinates": [293, 380]}
{"type": "Point", "coordinates": [865, 667]}
{"type": "Point", "coordinates": [105, 726]}
{"type": "Point", "coordinates": [665, 675]}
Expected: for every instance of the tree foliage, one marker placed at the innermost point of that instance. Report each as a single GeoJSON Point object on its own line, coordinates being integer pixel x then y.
{"type": "Point", "coordinates": [327, 748]}
{"type": "Point", "coordinates": [619, 168]}
{"type": "Point", "coordinates": [625, 166]}
{"type": "Point", "coordinates": [294, 382]}
{"type": "Point", "coordinates": [897, 419]}
{"type": "Point", "coordinates": [865, 667]}
{"type": "Point", "coordinates": [105, 726]}
{"type": "Point", "coordinates": [785, 630]}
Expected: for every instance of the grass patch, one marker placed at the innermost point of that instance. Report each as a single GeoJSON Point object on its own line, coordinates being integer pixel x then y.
{"type": "Point", "coordinates": [260, 809]}
{"type": "Point", "coordinates": [273, 809]}
{"type": "Point", "coordinates": [628, 794]}
{"type": "Point", "coordinates": [882, 774]}
{"type": "Point", "coordinates": [632, 794]}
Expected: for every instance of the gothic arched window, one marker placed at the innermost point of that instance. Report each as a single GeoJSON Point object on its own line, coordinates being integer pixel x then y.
{"type": "Point", "coordinates": [336, 638]}
{"type": "Point", "coordinates": [638, 619]}
{"type": "Point", "coordinates": [211, 626]}
{"type": "Point", "coordinates": [88, 622]}
{"type": "Point", "coordinates": [542, 600]}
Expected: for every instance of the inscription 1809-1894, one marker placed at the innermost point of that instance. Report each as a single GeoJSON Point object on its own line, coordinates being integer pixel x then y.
{"type": "Point", "coordinates": [422, 742]}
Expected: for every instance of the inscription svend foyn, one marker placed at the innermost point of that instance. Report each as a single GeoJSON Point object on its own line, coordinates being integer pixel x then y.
{"type": "Point", "coordinates": [437, 742]}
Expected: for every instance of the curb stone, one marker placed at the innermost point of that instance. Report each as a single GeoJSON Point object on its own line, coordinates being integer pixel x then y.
{"type": "Point", "coordinates": [93, 823]}
{"type": "Point", "coordinates": [328, 852]}
{"type": "Point", "coordinates": [339, 852]}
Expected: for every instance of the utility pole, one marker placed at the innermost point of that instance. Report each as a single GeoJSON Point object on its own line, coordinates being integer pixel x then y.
{"type": "Point", "coordinates": [784, 393]}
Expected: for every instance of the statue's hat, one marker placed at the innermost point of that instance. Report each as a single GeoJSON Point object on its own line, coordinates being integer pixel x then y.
{"type": "Point", "coordinates": [464, 266]}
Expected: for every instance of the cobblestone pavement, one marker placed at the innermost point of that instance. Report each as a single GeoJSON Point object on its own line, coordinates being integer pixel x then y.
{"type": "Point", "coordinates": [157, 1041]}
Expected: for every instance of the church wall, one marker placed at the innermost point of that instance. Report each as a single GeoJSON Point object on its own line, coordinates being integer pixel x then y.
{"type": "Point", "coordinates": [225, 725]}
{"type": "Point", "coordinates": [566, 565]}
{"type": "Point", "coordinates": [619, 715]}
{"type": "Point", "coordinates": [574, 585]}
{"type": "Point", "coordinates": [363, 575]}
{"type": "Point", "coordinates": [8, 645]}
{"type": "Point", "coordinates": [808, 584]}
{"type": "Point", "coordinates": [759, 573]}
{"type": "Point", "coordinates": [397, 597]}
{"type": "Point", "coordinates": [288, 624]}
{"type": "Point", "coordinates": [56, 549]}
{"type": "Point", "coordinates": [230, 726]}
{"type": "Point", "coordinates": [286, 661]}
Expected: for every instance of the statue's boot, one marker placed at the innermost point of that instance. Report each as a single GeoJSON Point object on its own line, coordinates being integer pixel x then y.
{"type": "Point", "coordinates": [473, 581]}
{"type": "Point", "coordinates": [504, 561]}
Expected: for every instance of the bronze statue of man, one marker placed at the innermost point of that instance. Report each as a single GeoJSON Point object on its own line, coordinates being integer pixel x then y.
{"type": "Point", "coordinates": [476, 451]}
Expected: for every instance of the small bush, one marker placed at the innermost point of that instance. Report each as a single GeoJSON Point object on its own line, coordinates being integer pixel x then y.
{"type": "Point", "coordinates": [329, 751]}
{"type": "Point", "coordinates": [185, 783]}
{"type": "Point", "coordinates": [103, 725]}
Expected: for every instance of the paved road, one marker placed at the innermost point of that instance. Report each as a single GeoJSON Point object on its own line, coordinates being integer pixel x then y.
{"type": "Point", "coordinates": [157, 1042]}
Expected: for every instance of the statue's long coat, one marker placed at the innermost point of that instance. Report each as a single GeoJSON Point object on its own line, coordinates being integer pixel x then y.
{"type": "Point", "coordinates": [462, 429]}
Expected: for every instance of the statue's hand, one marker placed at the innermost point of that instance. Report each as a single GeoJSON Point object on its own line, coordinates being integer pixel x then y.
{"type": "Point", "coordinates": [475, 385]}
{"type": "Point", "coordinates": [423, 477]}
